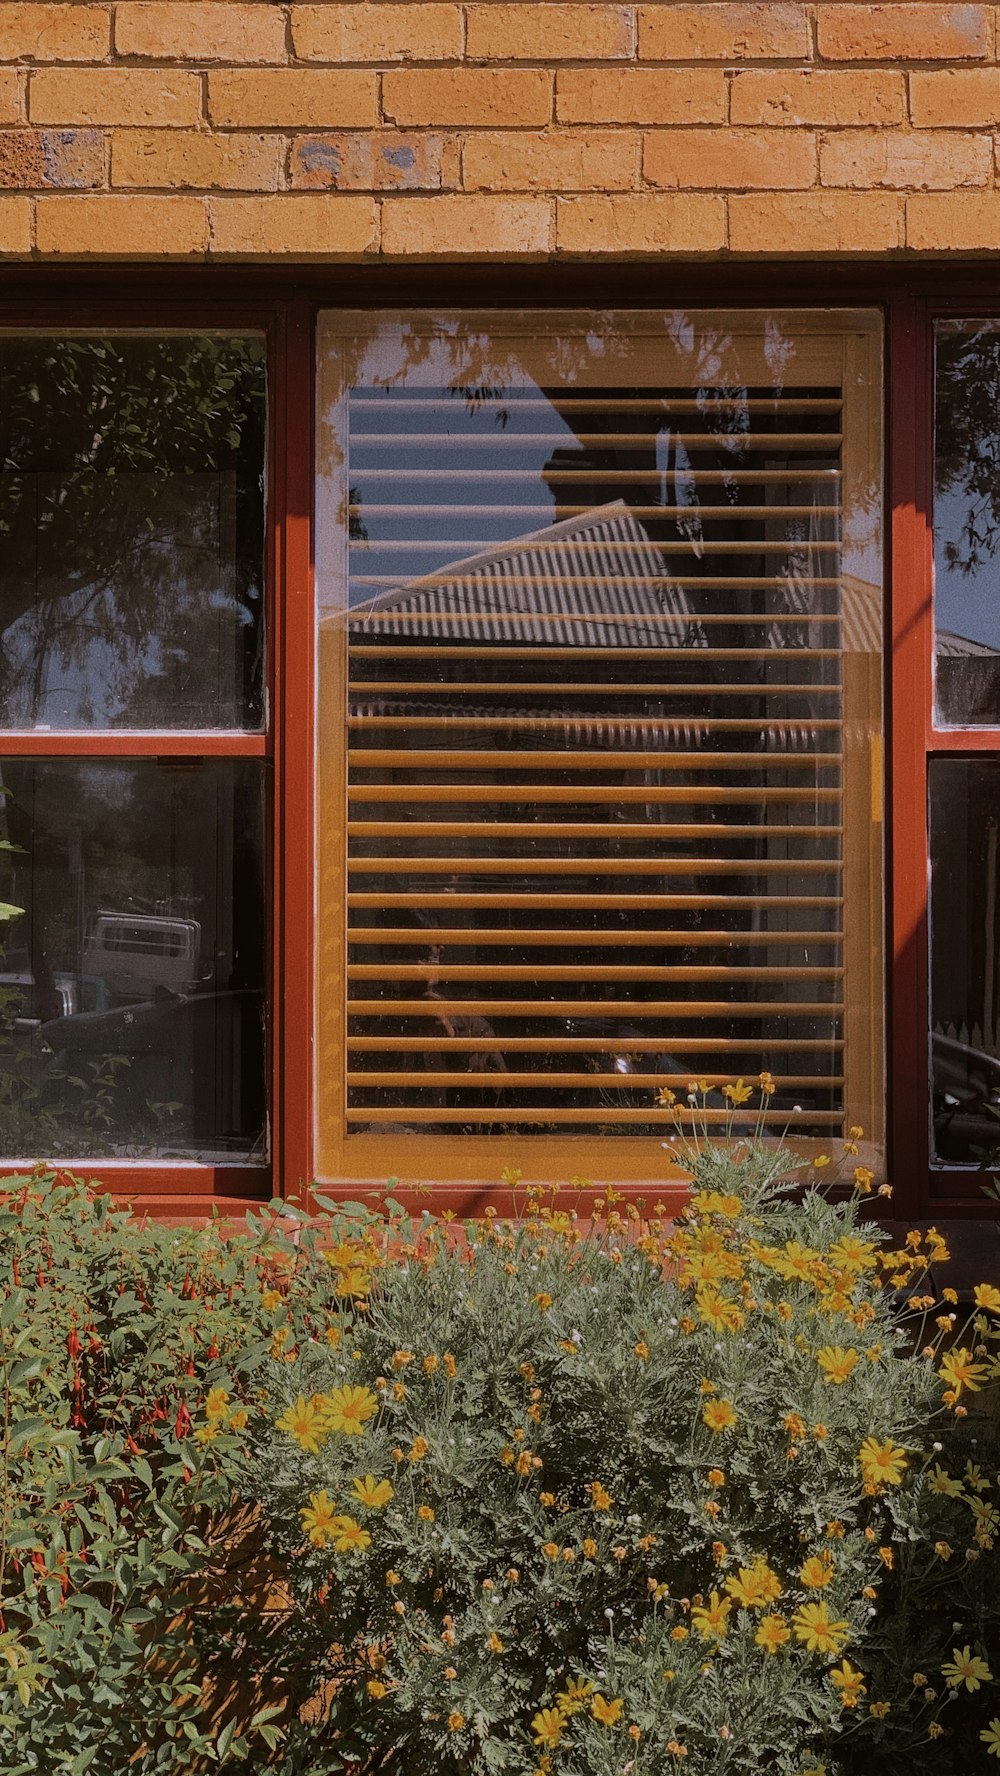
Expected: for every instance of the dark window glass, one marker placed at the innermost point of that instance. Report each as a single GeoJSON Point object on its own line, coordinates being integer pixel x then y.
{"type": "Point", "coordinates": [965, 953]}
{"type": "Point", "coordinates": [967, 524]}
{"type": "Point", "coordinates": [131, 532]}
{"type": "Point", "coordinates": [132, 980]}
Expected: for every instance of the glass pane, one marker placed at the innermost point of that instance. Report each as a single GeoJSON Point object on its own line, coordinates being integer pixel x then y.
{"type": "Point", "coordinates": [131, 532]}
{"type": "Point", "coordinates": [967, 524]}
{"type": "Point", "coordinates": [132, 980]}
{"type": "Point", "coordinates": [607, 586]}
{"type": "Point", "coordinates": [964, 796]}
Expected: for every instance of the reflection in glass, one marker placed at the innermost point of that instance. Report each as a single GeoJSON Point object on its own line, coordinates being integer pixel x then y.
{"type": "Point", "coordinates": [131, 532]}
{"type": "Point", "coordinates": [967, 523]}
{"type": "Point", "coordinates": [964, 808]}
{"type": "Point", "coordinates": [610, 591]}
{"type": "Point", "coordinates": [132, 980]}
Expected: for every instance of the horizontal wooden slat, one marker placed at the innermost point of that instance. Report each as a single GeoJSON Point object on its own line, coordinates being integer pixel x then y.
{"type": "Point", "coordinates": [453, 758]}
{"type": "Point", "coordinates": [595, 1045]}
{"type": "Point", "coordinates": [602, 1008]}
{"type": "Point", "coordinates": [625, 724]}
{"type": "Point", "coordinates": [531, 651]}
{"type": "Point", "coordinates": [542, 793]}
{"type": "Point", "coordinates": [561, 687]}
{"type": "Point", "coordinates": [601, 1114]}
{"type": "Point", "coordinates": [575, 829]}
{"type": "Point", "coordinates": [593, 866]}
{"type": "Point", "coordinates": [537, 516]}
{"type": "Point", "coordinates": [603, 477]}
{"type": "Point", "coordinates": [590, 902]}
{"type": "Point", "coordinates": [514, 936]}
{"type": "Point", "coordinates": [431, 1080]}
{"type": "Point", "coordinates": [591, 971]}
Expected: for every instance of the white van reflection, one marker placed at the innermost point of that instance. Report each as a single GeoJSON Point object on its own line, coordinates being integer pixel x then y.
{"type": "Point", "coordinates": [137, 953]}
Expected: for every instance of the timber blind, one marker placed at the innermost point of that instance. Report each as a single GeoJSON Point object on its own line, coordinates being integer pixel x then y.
{"type": "Point", "coordinates": [599, 657]}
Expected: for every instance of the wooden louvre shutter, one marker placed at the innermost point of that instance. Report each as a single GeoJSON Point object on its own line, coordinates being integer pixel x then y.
{"type": "Point", "coordinates": [599, 645]}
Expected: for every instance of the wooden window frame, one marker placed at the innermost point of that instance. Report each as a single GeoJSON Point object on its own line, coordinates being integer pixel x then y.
{"type": "Point", "coordinates": [283, 304]}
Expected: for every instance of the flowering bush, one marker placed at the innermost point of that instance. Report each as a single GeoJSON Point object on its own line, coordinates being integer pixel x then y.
{"type": "Point", "coordinates": [637, 1497]}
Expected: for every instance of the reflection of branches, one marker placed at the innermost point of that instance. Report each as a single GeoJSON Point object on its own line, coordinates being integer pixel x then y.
{"type": "Point", "coordinates": [967, 439]}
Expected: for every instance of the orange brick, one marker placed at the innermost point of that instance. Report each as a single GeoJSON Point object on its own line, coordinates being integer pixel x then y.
{"type": "Point", "coordinates": [956, 98]}
{"type": "Point", "coordinates": [640, 95]}
{"type": "Point", "coordinates": [731, 159]}
{"type": "Point", "coordinates": [15, 226]}
{"type": "Point", "coordinates": [53, 159]}
{"type": "Point", "coordinates": [723, 33]}
{"type": "Point", "coordinates": [118, 227]}
{"type": "Point", "coordinates": [819, 96]}
{"type": "Point", "coordinates": [10, 96]}
{"type": "Point", "coordinates": [414, 33]}
{"type": "Point", "coordinates": [289, 98]}
{"type": "Point", "coordinates": [551, 160]}
{"type": "Point", "coordinates": [54, 33]}
{"type": "Point", "coordinates": [547, 33]}
{"type": "Point", "coordinates": [460, 227]}
{"type": "Point", "coordinates": [906, 160]}
{"type": "Point", "coordinates": [954, 222]}
{"type": "Point", "coordinates": [913, 31]}
{"type": "Point", "coordinates": [374, 160]}
{"type": "Point", "coordinates": [200, 31]}
{"type": "Point", "coordinates": [196, 160]}
{"type": "Point", "coordinates": [161, 96]}
{"type": "Point", "coordinates": [297, 227]}
{"type": "Point", "coordinates": [645, 224]}
{"type": "Point", "coordinates": [817, 223]}
{"type": "Point", "coordinates": [487, 96]}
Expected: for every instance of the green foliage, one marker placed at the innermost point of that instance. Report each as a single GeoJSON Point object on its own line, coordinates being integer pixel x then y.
{"type": "Point", "coordinates": [375, 1492]}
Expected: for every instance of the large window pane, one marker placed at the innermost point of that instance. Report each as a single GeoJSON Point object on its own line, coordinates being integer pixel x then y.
{"type": "Point", "coordinates": [132, 980]}
{"type": "Point", "coordinates": [964, 798]}
{"type": "Point", "coordinates": [131, 532]}
{"type": "Point", "coordinates": [967, 524]}
{"type": "Point", "coordinates": [606, 590]}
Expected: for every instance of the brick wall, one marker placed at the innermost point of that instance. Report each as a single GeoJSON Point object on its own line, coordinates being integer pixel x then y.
{"type": "Point", "coordinates": [426, 128]}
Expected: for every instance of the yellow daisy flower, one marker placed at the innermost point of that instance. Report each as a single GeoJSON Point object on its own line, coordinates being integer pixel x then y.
{"type": "Point", "coordinates": [306, 1422]}
{"type": "Point", "coordinates": [965, 1667]}
{"type": "Point", "coordinates": [349, 1409]}
{"type": "Point", "coordinates": [372, 1493]}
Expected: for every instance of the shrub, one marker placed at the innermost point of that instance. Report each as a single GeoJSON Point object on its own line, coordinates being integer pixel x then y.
{"type": "Point", "coordinates": [634, 1498]}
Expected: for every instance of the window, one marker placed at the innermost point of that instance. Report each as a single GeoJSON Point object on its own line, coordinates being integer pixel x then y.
{"type": "Point", "coordinates": [599, 644]}
{"type": "Point", "coordinates": [430, 732]}
{"type": "Point", "coordinates": [134, 794]}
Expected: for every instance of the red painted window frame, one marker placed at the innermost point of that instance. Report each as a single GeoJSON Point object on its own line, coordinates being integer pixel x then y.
{"type": "Point", "coordinates": [283, 303]}
{"type": "Point", "coordinates": [192, 1190]}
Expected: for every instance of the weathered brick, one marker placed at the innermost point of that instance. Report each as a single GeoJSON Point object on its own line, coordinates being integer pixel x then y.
{"type": "Point", "coordinates": [486, 96]}
{"type": "Point", "coordinates": [118, 227]}
{"type": "Point", "coordinates": [54, 33]}
{"type": "Point", "coordinates": [380, 160]}
{"type": "Point", "coordinates": [196, 159]}
{"type": "Point", "coordinates": [550, 32]}
{"type": "Point", "coordinates": [954, 222]}
{"type": "Point", "coordinates": [913, 30]}
{"type": "Point", "coordinates": [817, 223]}
{"type": "Point", "coordinates": [38, 160]}
{"type": "Point", "coordinates": [955, 98]}
{"type": "Point", "coordinates": [200, 31]}
{"type": "Point", "coordinates": [551, 160]}
{"type": "Point", "coordinates": [302, 226]}
{"type": "Point", "coordinates": [640, 95]}
{"type": "Point", "coordinates": [818, 96]}
{"type": "Point", "coordinates": [290, 98]}
{"type": "Point", "coordinates": [11, 96]}
{"type": "Point", "coordinates": [15, 226]}
{"type": "Point", "coordinates": [417, 32]}
{"type": "Point", "coordinates": [646, 223]}
{"type": "Point", "coordinates": [906, 160]}
{"type": "Point", "coordinates": [463, 227]}
{"type": "Point", "coordinates": [718, 32]}
{"type": "Point", "coordinates": [163, 96]}
{"type": "Point", "coordinates": [731, 159]}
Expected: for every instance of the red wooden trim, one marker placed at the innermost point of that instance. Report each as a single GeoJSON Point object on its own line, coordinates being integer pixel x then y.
{"type": "Point", "coordinates": [130, 1178]}
{"type": "Point", "coordinates": [964, 739]}
{"type": "Point", "coordinates": [217, 743]}
{"type": "Point", "coordinates": [910, 625]}
{"type": "Point", "coordinates": [293, 715]}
